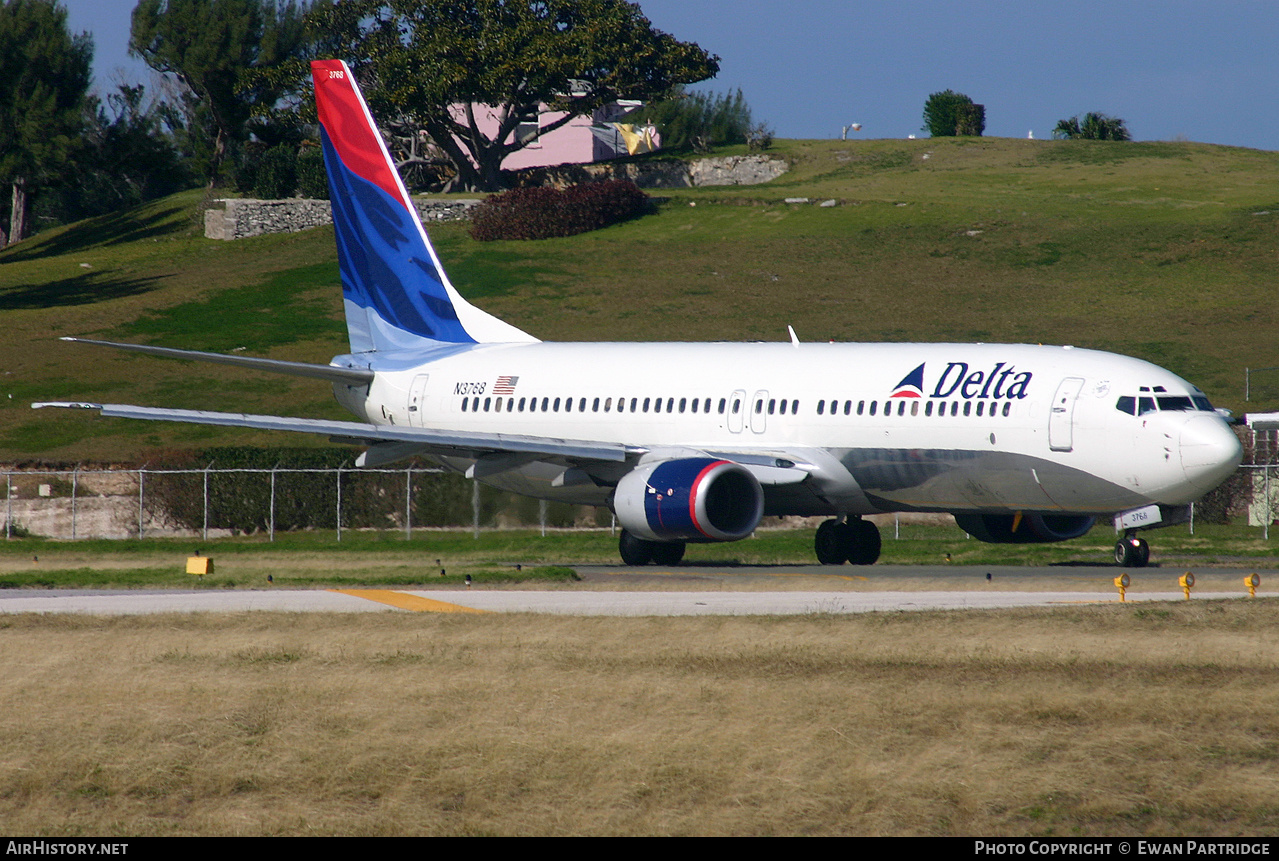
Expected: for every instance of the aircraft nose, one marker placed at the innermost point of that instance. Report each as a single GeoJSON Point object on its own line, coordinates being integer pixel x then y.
{"type": "Point", "coordinates": [1210, 451]}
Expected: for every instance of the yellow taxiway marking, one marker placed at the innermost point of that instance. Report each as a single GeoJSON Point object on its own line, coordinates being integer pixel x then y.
{"type": "Point", "coordinates": [405, 601]}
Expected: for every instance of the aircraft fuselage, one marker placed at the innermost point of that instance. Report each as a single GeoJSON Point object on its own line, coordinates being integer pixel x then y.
{"type": "Point", "coordinates": [878, 427]}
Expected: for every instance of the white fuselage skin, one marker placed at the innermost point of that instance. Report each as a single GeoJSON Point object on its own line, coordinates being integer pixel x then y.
{"type": "Point", "coordinates": [989, 428]}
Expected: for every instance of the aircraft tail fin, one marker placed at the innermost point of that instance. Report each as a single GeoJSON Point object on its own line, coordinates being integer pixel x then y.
{"type": "Point", "coordinates": [395, 291]}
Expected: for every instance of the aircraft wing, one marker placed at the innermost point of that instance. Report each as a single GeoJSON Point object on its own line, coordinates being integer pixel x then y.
{"type": "Point", "coordinates": [394, 440]}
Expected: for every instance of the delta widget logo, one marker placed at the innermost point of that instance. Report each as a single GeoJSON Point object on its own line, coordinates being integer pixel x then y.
{"type": "Point", "coordinates": [1003, 382]}
{"type": "Point", "coordinates": [911, 386]}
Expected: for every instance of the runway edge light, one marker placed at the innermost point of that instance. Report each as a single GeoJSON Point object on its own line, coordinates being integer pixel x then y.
{"type": "Point", "coordinates": [1186, 582]}
{"type": "Point", "coordinates": [1121, 583]}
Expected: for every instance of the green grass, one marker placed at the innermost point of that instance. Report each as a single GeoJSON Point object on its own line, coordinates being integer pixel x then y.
{"type": "Point", "coordinates": [1165, 251]}
{"type": "Point", "coordinates": [315, 559]}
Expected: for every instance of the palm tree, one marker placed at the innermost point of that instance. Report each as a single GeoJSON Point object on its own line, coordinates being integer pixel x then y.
{"type": "Point", "coordinates": [1095, 127]}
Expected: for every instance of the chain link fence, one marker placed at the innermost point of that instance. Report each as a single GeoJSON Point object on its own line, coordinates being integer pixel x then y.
{"type": "Point", "coordinates": [212, 502]}
{"type": "Point", "coordinates": [209, 502]}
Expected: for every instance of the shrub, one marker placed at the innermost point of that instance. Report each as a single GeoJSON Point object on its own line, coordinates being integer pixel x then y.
{"type": "Point", "coordinates": [277, 173]}
{"type": "Point", "coordinates": [541, 213]}
{"type": "Point", "coordinates": [313, 179]}
{"type": "Point", "coordinates": [948, 114]}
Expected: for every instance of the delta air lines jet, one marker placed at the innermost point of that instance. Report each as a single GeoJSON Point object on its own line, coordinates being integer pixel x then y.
{"type": "Point", "coordinates": [698, 441]}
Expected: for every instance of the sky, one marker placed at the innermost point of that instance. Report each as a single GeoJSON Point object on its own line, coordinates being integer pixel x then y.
{"type": "Point", "coordinates": [1171, 69]}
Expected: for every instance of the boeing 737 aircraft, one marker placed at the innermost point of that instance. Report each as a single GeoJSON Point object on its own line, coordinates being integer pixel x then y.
{"type": "Point", "coordinates": [698, 441]}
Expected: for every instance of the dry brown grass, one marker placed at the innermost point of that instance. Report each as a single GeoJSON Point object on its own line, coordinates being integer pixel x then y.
{"type": "Point", "coordinates": [1146, 719]}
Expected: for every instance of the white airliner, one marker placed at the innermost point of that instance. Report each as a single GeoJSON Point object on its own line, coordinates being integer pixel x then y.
{"type": "Point", "coordinates": [698, 441]}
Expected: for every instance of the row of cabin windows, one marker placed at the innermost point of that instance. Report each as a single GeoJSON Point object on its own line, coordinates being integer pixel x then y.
{"type": "Point", "coordinates": [939, 409]}
{"type": "Point", "coordinates": [555, 405]}
{"type": "Point", "coordinates": [694, 405]}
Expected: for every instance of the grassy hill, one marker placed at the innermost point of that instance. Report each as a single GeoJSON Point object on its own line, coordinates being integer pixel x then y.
{"type": "Point", "coordinates": [1166, 251]}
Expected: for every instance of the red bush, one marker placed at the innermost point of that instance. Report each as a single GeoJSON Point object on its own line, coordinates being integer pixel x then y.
{"type": "Point", "coordinates": [540, 213]}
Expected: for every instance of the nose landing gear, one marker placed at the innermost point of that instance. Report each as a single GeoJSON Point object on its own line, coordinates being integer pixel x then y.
{"type": "Point", "coordinates": [1132, 552]}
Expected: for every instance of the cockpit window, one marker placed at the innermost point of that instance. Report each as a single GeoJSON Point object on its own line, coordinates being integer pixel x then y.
{"type": "Point", "coordinates": [1143, 404]}
{"type": "Point", "coordinates": [1174, 402]}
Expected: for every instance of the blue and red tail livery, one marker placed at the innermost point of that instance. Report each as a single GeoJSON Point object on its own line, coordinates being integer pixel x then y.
{"type": "Point", "coordinates": [395, 290]}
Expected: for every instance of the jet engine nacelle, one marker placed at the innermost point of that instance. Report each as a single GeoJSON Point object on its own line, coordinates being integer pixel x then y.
{"type": "Point", "coordinates": [1030, 529]}
{"type": "Point", "coordinates": [689, 499]}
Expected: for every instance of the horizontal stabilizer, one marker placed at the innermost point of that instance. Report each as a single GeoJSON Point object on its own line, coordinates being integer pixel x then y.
{"type": "Point", "coordinates": [332, 373]}
{"type": "Point", "coordinates": [454, 443]}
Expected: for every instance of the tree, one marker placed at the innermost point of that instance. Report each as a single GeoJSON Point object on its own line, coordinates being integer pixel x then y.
{"type": "Point", "coordinates": [1095, 127]}
{"type": "Point", "coordinates": [698, 121]}
{"type": "Point", "coordinates": [129, 156]}
{"type": "Point", "coordinates": [209, 45]}
{"type": "Point", "coordinates": [44, 75]}
{"type": "Point", "coordinates": [441, 62]}
{"type": "Point", "coordinates": [948, 114]}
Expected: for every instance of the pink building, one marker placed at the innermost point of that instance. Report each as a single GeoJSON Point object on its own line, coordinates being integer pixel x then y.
{"type": "Point", "coordinates": [596, 137]}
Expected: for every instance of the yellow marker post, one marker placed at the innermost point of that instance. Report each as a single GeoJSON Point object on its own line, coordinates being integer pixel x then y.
{"type": "Point", "coordinates": [1252, 581]}
{"type": "Point", "coordinates": [199, 565]}
{"type": "Point", "coordinates": [1186, 582]}
{"type": "Point", "coordinates": [1121, 583]}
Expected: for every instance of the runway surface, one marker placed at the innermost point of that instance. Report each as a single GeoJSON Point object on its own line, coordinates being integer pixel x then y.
{"type": "Point", "coordinates": [705, 591]}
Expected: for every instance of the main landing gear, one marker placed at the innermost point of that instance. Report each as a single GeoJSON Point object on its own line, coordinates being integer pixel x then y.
{"type": "Point", "coordinates": [640, 551]}
{"type": "Point", "coordinates": [1132, 552]}
{"type": "Point", "coordinates": [839, 541]}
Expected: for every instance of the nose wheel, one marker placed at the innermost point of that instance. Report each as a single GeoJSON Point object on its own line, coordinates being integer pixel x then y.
{"type": "Point", "coordinates": [1132, 552]}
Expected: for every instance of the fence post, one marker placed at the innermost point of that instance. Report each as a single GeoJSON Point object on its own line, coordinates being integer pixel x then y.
{"type": "Point", "coordinates": [142, 477]}
{"type": "Point", "coordinates": [408, 504]}
{"type": "Point", "coordinates": [8, 505]}
{"type": "Point", "coordinates": [271, 513]}
{"type": "Point", "coordinates": [205, 530]}
{"type": "Point", "coordinates": [339, 511]}
{"type": "Point", "coordinates": [475, 507]}
{"type": "Point", "coordinates": [541, 515]}
{"type": "Point", "coordinates": [75, 480]}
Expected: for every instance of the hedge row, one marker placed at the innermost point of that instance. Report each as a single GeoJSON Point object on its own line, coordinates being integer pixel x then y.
{"type": "Point", "coordinates": [541, 213]}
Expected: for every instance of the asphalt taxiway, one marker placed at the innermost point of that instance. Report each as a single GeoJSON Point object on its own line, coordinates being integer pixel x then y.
{"type": "Point", "coordinates": [685, 591]}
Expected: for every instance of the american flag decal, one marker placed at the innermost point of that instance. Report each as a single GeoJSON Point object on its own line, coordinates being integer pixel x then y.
{"type": "Point", "coordinates": [505, 385]}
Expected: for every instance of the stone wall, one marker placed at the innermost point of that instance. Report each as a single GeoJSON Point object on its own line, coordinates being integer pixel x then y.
{"type": "Point", "coordinates": [663, 173]}
{"type": "Point", "coordinates": [240, 217]}
{"type": "Point", "coordinates": [236, 218]}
